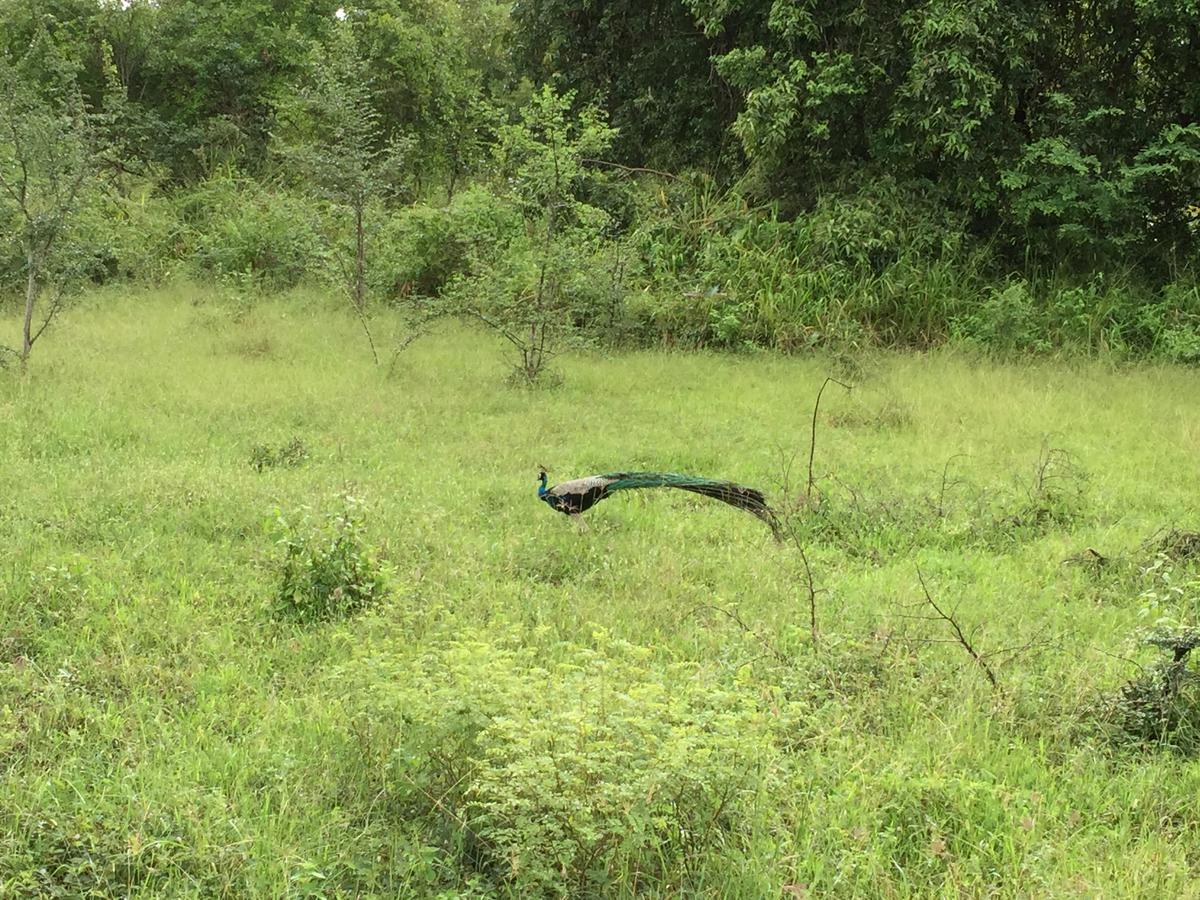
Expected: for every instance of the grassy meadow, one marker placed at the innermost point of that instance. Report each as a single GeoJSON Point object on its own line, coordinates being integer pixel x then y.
{"type": "Point", "coordinates": [531, 709]}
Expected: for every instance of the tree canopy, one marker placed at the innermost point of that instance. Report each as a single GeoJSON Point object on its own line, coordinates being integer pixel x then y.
{"type": "Point", "coordinates": [893, 150]}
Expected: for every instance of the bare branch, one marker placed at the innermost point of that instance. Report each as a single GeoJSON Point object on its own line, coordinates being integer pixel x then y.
{"type": "Point", "coordinates": [958, 632]}
{"type": "Point", "coordinates": [18, 191]}
{"type": "Point", "coordinates": [362, 319]}
{"type": "Point", "coordinates": [515, 341]}
{"type": "Point", "coordinates": [812, 447]}
{"type": "Point", "coordinates": [785, 467]}
{"type": "Point", "coordinates": [737, 620]}
{"type": "Point", "coordinates": [55, 306]}
{"type": "Point", "coordinates": [631, 169]}
{"type": "Point", "coordinates": [812, 596]}
{"type": "Point", "coordinates": [1031, 644]}
{"type": "Point", "coordinates": [941, 507]}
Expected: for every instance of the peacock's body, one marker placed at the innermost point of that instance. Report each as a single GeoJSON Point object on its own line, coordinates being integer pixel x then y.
{"type": "Point", "coordinates": [574, 497]}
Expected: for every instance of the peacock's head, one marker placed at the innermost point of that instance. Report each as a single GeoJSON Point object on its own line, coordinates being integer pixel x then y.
{"type": "Point", "coordinates": [541, 480]}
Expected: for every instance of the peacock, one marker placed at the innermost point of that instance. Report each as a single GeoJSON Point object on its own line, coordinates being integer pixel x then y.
{"type": "Point", "coordinates": [574, 497]}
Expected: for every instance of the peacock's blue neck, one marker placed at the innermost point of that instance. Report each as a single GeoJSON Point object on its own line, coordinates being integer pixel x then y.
{"type": "Point", "coordinates": [542, 485]}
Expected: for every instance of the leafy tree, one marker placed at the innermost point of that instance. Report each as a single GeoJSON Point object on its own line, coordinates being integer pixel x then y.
{"type": "Point", "coordinates": [646, 62]}
{"type": "Point", "coordinates": [211, 75]}
{"type": "Point", "coordinates": [340, 152]}
{"type": "Point", "coordinates": [1039, 119]}
{"type": "Point", "coordinates": [535, 294]}
{"type": "Point", "coordinates": [1065, 130]}
{"type": "Point", "coordinates": [428, 60]}
{"type": "Point", "coordinates": [47, 158]}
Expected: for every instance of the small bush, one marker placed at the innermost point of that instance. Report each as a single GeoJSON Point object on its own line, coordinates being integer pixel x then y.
{"type": "Point", "coordinates": [868, 225]}
{"type": "Point", "coordinates": [286, 456]}
{"type": "Point", "coordinates": [1161, 706]}
{"type": "Point", "coordinates": [328, 571]}
{"type": "Point", "coordinates": [1006, 322]}
{"type": "Point", "coordinates": [1055, 495]}
{"type": "Point", "coordinates": [862, 266]}
{"type": "Point", "coordinates": [133, 234]}
{"type": "Point", "coordinates": [573, 777]}
{"type": "Point", "coordinates": [240, 228]}
{"type": "Point", "coordinates": [1181, 344]}
{"type": "Point", "coordinates": [421, 249]}
{"type": "Point", "coordinates": [1177, 544]}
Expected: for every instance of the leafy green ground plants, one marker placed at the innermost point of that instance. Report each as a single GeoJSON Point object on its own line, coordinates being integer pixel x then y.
{"type": "Point", "coordinates": [500, 705]}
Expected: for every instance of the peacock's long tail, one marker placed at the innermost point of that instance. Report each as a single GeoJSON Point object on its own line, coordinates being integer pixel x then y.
{"type": "Point", "coordinates": [747, 498]}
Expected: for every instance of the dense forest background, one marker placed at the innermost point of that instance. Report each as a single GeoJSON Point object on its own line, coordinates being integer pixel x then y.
{"type": "Point", "coordinates": [724, 173]}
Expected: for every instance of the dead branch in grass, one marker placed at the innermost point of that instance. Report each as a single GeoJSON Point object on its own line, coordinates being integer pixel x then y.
{"type": "Point", "coordinates": [812, 444]}
{"type": "Point", "coordinates": [960, 637]}
{"type": "Point", "coordinates": [733, 616]}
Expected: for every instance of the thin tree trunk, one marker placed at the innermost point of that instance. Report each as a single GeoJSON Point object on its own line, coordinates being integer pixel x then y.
{"type": "Point", "coordinates": [30, 299]}
{"type": "Point", "coordinates": [360, 258]}
{"type": "Point", "coordinates": [358, 291]}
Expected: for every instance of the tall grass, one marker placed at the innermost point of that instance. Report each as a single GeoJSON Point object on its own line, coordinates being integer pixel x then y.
{"type": "Point", "coordinates": [879, 266]}
{"type": "Point", "coordinates": [531, 710]}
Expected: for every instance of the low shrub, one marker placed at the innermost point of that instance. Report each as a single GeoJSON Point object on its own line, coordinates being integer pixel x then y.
{"type": "Point", "coordinates": [601, 769]}
{"type": "Point", "coordinates": [1160, 707]}
{"type": "Point", "coordinates": [235, 227]}
{"type": "Point", "coordinates": [420, 249]}
{"type": "Point", "coordinates": [328, 570]}
{"type": "Point", "coordinates": [288, 456]}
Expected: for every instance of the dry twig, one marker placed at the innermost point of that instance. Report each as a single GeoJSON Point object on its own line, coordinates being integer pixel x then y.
{"type": "Point", "coordinates": [812, 446]}
{"type": "Point", "coordinates": [960, 637]}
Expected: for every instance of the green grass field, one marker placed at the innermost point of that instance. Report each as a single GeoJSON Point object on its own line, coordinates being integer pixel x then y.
{"type": "Point", "coordinates": [537, 710]}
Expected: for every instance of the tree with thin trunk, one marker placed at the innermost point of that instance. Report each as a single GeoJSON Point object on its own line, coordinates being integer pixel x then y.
{"type": "Point", "coordinates": [526, 296]}
{"type": "Point", "coordinates": [47, 160]}
{"type": "Point", "coordinates": [337, 144]}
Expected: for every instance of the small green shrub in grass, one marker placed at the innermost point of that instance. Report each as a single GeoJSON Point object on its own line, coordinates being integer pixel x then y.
{"type": "Point", "coordinates": [288, 456]}
{"type": "Point", "coordinates": [1181, 344]}
{"type": "Point", "coordinates": [234, 227]}
{"type": "Point", "coordinates": [1006, 322]}
{"type": "Point", "coordinates": [329, 572]}
{"type": "Point", "coordinates": [1161, 706]}
{"type": "Point", "coordinates": [601, 769]}
{"type": "Point", "coordinates": [419, 250]}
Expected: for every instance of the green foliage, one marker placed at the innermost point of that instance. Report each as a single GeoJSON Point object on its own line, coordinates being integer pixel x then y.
{"type": "Point", "coordinates": [542, 292]}
{"type": "Point", "coordinates": [48, 145]}
{"type": "Point", "coordinates": [1006, 321]}
{"type": "Point", "coordinates": [328, 571]}
{"type": "Point", "coordinates": [871, 265]}
{"type": "Point", "coordinates": [1160, 706]}
{"type": "Point", "coordinates": [603, 769]}
{"type": "Point", "coordinates": [131, 234]}
{"type": "Point", "coordinates": [205, 84]}
{"type": "Point", "coordinates": [337, 145]}
{"type": "Point", "coordinates": [1036, 121]}
{"type": "Point", "coordinates": [644, 62]}
{"type": "Point", "coordinates": [237, 228]}
{"type": "Point", "coordinates": [340, 153]}
{"type": "Point", "coordinates": [288, 456]}
{"type": "Point", "coordinates": [203, 80]}
{"type": "Point", "coordinates": [874, 265]}
{"type": "Point", "coordinates": [435, 64]}
{"type": "Point", "coordinates": [421, 249]}
{"type": "Point", "coordinates": [1021, 178]}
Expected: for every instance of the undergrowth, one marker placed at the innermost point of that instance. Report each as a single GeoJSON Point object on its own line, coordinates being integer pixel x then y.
{"type": "Point", "coordinates": [435, 687]}
{"type": "Point", "coordinates": [328, 570]}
